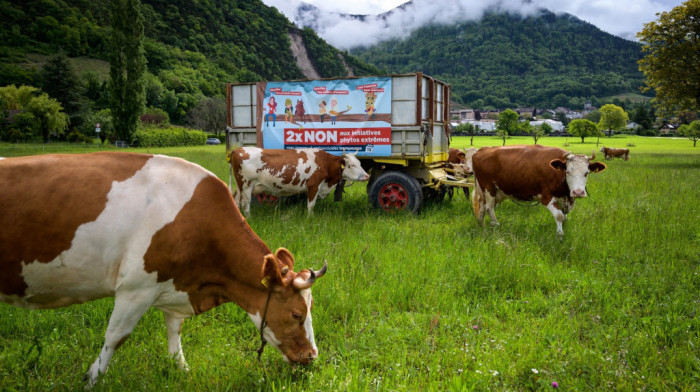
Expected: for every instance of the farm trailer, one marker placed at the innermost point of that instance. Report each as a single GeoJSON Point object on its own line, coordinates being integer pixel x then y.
{"type": "Point", "coordinates": [398, 125]}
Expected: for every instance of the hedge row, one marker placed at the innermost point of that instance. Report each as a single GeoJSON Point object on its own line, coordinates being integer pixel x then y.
{"type": "Point", "coordinates": [168, 137]}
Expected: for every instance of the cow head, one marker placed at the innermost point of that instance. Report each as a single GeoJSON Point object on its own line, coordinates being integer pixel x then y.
{"type": "Point", "coordinates": [288, 316]}
{"type": "Point", "coordinates": [577, 167]}
{"type": "Point", "coordinates": [352, 169]}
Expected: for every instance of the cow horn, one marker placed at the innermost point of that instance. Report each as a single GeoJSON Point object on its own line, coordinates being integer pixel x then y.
{"type": "Point", "coordinates": [592, 156]}
{"type": "Point", "coordinates": [301, 284]}
{"type": "Point", "coordinates": [284, 270]}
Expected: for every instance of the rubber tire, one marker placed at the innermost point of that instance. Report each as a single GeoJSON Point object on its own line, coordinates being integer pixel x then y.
{"type": "Point", "coordinates": [412, 191]}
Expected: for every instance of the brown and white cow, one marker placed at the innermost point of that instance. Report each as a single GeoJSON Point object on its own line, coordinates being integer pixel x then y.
{"type": "Point", "coordinates": [611, 153]}
{"type": "Point", "coordinates": [460, 162]}
{"type": "Point", "coordinates": [551, 175]}
{"type": "Point", "coordinates": [290, 172]}
{"type": "Point", "coordinates": [152, 231]}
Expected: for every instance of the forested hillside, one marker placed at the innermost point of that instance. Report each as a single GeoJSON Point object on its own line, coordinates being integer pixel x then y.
{"type": "Point", "coordinates": [505, 60]}
{"type": "Point", "coordinates": [192, 47]}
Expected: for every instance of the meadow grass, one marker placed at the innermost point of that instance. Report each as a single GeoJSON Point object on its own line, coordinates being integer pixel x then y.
{"type": "Point", "coordinates": [432, 301]}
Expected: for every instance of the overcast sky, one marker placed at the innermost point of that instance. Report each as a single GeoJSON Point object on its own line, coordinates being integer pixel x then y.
{"type": "Point", "coordinates": [623, 18]}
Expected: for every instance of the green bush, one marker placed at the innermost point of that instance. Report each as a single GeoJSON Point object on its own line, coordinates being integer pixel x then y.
{"type": "Point", "coordinates": [168, 137]}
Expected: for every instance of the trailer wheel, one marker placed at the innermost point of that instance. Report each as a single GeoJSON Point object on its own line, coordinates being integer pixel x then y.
{"type": "Point", "coordinates": [396, 191]}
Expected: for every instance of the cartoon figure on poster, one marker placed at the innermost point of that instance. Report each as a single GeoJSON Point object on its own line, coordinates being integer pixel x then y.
{"type": "Point", "coordinates": [300, 112]}
{"type": "Point", "coordinates": [366, 129]}
{"type": "Point", "coordinates": [288, 111]}
{"type": "Point", "coordinates": [322, 109]}
{"type": "Point", "coordinates": [272, 106]}
{"type": "Point", "coordinates": [370, 98]}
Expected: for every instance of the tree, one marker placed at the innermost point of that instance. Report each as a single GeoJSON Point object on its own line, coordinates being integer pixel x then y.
{"type": "Point", "coordinates": [593, 116]}
{"type": "Point", "coordinates": [507, 123]}
{"type": "Point", "coordinates": [468, 129]}
{"type": "Point", "coordinates": [127, 65]}
{"type": "Point", "coordinates": [561, 117]}
{"type": "Point", "coordinates": [49, 114]}
{"type": "Point", "coordinates": [672, 47]}
{"type": "Point", "coordinates": [59, 80]}
{"type": "Point", "coordinates": [209, 115]}
{"type": "Point", "coordinates": [612, 118]}
{"type": "Point", "coordinates": [583, 128]}
{"type": "Point", "coordinates": [691, 131]}
{"type": "Point", "coordinates": [15, 98]}
{"type": "Point", "coordinates": [642, 116]}
{"type": "Point", "coordinates": [537, 132]}
{"type": "Point", "coordinates": [546, 128]}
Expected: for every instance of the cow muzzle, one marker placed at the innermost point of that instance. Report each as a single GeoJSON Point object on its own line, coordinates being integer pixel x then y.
{"type": "Point", "coordinates": [307, 357]}
{"type": "Point", "coordinates": [578, 193]}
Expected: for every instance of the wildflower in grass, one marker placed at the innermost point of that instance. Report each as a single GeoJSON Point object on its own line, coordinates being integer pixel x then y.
{"type": "Point", "coordinates": [535, 371]}
{"type": "Point", "coordinates": [476, 327]}
{"type": "Point", "coordinates": [555, 384]}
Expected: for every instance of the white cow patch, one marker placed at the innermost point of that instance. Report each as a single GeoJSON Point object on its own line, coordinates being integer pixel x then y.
{"type": "Point", "coordinates": [267, 333]}
{"type": "Point", "coordinates": [308, 325]}
{"type": "Point", "coordinates": [107, 256]}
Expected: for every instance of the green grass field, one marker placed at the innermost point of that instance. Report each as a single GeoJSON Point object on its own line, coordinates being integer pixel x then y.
{"type": "Point", "coordinates": [432, 302]}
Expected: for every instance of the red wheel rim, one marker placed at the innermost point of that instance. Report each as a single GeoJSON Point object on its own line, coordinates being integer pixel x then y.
{"type": "Point", "coordinates": [393, 197]}
{"type": "Point", "coordinates": [267, 200]}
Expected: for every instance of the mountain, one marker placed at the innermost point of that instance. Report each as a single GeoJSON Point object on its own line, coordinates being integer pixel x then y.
{"type": "Point", "coordinates": [192, 47]}
{"type": "Point", "coordinates": [504, 59]}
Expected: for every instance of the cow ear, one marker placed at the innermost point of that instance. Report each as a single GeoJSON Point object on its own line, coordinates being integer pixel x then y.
{"type": "Point", "coordinates": [558, 164]}
{"type": "Point", "coordinates": [596, 167]}
{"type": "Point", "coordinates": [285, 256]}
{"type": "Point", "coordinates": [272, 272]}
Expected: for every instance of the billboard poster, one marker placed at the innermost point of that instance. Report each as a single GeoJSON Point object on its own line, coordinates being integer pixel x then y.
{"type": "Point", "coordinates": [333, 115]}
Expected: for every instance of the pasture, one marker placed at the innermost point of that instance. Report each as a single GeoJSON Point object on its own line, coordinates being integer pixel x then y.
{"type": "Point", "coordinates": [432, 302]}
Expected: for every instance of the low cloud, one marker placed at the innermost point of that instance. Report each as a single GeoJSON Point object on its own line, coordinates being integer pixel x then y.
{"type": "Point", "coordinates": [623, 18]}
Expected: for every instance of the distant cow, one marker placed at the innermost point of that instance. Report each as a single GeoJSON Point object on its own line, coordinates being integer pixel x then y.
{"type": "Point", "coordinates": [551, 175]}
{"type": "Point", "coordinates": [152, 231]}
{"type": "Point", "coordinates": [611, 153]}
{"type": "Point", "coordinates": [290, 172]}
{"type": "Point", "coordinates": [460, 161]}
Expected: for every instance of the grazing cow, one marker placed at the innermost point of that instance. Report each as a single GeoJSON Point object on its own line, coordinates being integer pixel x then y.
{"type": "Point", "coordinates": [152, 231]}
{"type": "Point", "coordinates": [457, 157]}
{"type": "Point", "coordinates": [611, 153]}
{"type": "Point", "coordinates": [290, 172]}
{"type": "Point", "coordinates": [551, 175]}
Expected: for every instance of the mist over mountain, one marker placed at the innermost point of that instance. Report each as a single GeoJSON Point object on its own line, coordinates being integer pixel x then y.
{"type": "Point", "coordinates": [504, 59]}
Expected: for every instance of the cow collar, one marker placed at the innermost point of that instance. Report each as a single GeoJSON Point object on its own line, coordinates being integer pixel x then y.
{"type": "Point", "coordinates": [263, 342]}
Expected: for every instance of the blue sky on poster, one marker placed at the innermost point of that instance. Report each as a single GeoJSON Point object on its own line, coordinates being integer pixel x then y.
{"type": "Point", "coordinates": [623, 18]}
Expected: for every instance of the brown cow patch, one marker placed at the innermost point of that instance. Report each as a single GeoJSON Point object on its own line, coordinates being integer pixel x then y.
{"type": "Point", "coordinates": [195, 249]}
{"type": "Point", "coordinates": [43, 201]}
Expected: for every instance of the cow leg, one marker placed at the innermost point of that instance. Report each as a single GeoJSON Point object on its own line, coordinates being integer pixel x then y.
{"type": "Point", "coordinates": [129, 307]}
{"type": "Point", "coordinates": [490, 203]}
{"type": "Point", "coordinates": [313, 194]}
{"type": "Point", "coordinates": [245, 199]}
{"type": "Point", "coordinates": [174, 324]}
{"type": "Point", "coordinates": [559, 216]}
